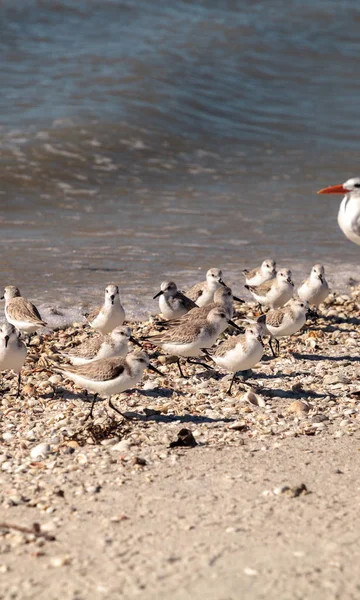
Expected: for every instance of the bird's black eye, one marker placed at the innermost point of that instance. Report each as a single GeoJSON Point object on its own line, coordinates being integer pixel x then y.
{"type": "Point", "coordinates": [357, 185]}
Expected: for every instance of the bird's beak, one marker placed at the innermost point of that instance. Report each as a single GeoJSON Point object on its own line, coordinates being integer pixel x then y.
{"type": "Point", "coordinates": [321, 278]}
{"type": "Point", "coordinates": [238, 300]}
{"type": "Point", "coordinates": [158, 294]}
{"type": "Point", "coordinates": [2, 298]}
{"type": "Point", "coordinates": [333, 189]}
{"type": "Point", "coordinates": [222, 282]}
{"type": "Point", "coordinates": [112, 298]}
{"type": "Point", "coordinates": [134, 341]}
{"type": "Point", "coordinates": [152, 368]}
{"type": "Point", "coordinates": [6, 340]}
{"type": "Point", "coordinates": [289, 280]}
{"type": "Point", "coordinates": [259, 338]}
{"type": "Point", "coordinates": [234, 325]}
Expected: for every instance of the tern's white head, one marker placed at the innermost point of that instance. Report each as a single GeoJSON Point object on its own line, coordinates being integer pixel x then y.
{"type": "Point", "coordinates": [121, 333]}
{"type": "Point", "coordinates": [111, 292]}
{"type": "Point", "coordinates": [318, 272]}
{"type": "Point", "coordinates": [268, 266]}
{"type": "Point", "coordinates": [351, 186]}
{"type": "Point", "coordinates": [284, 275]}
{"type": "Point", "coordinates": [214, 275]}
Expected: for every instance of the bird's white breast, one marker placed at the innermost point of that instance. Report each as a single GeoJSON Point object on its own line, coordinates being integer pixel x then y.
{"type": "Point", "coordinates": [349, 218]}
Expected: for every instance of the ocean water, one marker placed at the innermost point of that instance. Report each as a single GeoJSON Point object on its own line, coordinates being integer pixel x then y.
{"type": "Point", "coordinates": [146, 140]}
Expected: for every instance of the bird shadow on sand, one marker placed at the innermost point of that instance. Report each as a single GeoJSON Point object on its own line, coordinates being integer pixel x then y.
{"type": "Point", "coordinates": [317, 357]}
{"type": "Point", "coordinates": [186, 418]}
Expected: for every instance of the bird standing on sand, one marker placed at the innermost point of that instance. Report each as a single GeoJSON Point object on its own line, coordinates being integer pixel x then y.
{"type": "Point", "coordinates": [239, 352]}
{"type": "Point", "coordinates": [187, 340]}
{"type": "Point", "coordinates": [20, 312]}
{"type": "Point", "coordinates": [265, 272]}
{"type": "Point", "coordinates": [314, 289]}
{"type": "Point", "coordinates": [173, 304]}
{"type": "Point", "coordinates": [349, 211]}
{"type": "Point", "coordinates": [286, 321]}
{"type": "Point", "coordinates": [275, 292]}
{"type": "Point", "coordinates": [108, 376]}
{"type": "Point", "coordinates": [12, 351]}
{"type": "Point", "coordinates": [102, 346]}
{"type": "Point", "coordinates": [110, 315]}
{"type": "Point", "coordinates": [203, 293]}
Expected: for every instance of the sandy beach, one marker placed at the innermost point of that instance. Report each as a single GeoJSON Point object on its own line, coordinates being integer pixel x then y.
{"type": "Point", "coordinates": [264, 506]}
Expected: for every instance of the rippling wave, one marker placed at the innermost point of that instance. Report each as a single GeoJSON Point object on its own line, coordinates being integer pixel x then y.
{"type": "Point", "coordinates": [142, 139]}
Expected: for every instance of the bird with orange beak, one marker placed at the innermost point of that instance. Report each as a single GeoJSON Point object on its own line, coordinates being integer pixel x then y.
{"type": "Point", "coordinates": [349, 211]}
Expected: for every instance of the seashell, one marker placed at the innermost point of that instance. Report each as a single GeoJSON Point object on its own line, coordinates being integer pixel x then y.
{"type": "Point", "coordinates": [40, 451]}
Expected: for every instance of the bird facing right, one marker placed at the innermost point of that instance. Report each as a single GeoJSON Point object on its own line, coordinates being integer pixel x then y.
{"type": "Point", "coordinates": [265, 272]}
{"type": "Point", "coordinates": [314, 289]}
{"type": "Point", "coordinates": [286, 321]}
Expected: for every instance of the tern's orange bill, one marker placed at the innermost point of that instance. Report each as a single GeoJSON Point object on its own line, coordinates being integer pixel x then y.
{"type": "Point", "coordinates": [333, 189]}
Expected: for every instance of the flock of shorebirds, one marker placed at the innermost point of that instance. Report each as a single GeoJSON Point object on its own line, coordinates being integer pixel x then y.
{"type": "Point", "coordinates": [190, 323]}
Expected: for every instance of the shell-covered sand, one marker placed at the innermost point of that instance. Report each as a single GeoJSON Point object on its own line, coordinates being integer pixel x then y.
{"type": "Point", "coordinates": [108, 475]}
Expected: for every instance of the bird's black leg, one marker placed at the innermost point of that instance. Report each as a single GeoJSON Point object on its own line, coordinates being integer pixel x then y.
{"type": "Point", "coordinates": [118, 411]}
{"type": "Point", "coordinates": [231, 384]}
{"type": "Point", "coordinates": [18, 387]}
{"type": "Point", "coordinates": [271, 347]}
{"type": "Point", "coordinates": [90, 414]}
{"type": "Point", "coordinates": [277, 346]}
{"type": "Point", "coordinates": [198, 362]}
{"type": "Point", "coordinates": [180, 369]}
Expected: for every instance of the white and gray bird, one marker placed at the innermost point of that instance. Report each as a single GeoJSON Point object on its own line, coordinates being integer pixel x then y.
{"type": "Point", "coordinates": [349, 211]}
{"type": "Point", "coordinates": [21, 312]}
{"type": "Point", "coordinates": [239, 352]}
{"type": "Point", "coordinates": [108, 376]}
{"type": "Point", "coordinates": [110, 315]}
{"type": "Point", "coordinates": [259, 275]}
{"type": "Point", "coordinates": [223, 298]}
{"type": "Point", "coordinates": [314, 289]}
{"type": "Point", "coordinates": [275, 292]}
{"type": "Point", "coordinates": [203, 293]}
{"type": "Point", "coordinates": [187, 340]}
{"type": "Point", "coordinates": [286, 321]}
{"type": "Point", "coordinates": [12, 351]}
{"type": "Point", "coordinates": [115, 343]}
{"type": "Point", "coordinates": [173, 304]}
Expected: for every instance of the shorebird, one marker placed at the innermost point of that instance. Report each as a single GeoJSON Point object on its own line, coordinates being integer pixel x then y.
{"type": "Point", "coordinates": [110, 315]}
{"type": "Point", "coordinates": [108, 376]}
{"type": "Point", "coordinates": [314, 289]}
{"type": "Point", "coordinates": [286, 321]}
{"type": "Point", "coordinates": [187, 340]}
{"type": "Point", "coordinates": [276, 292]}
{"type": "Point", "coordinates": [173, 303]}
{"type": "Point", "coordinates": [12, 351]}
{"type": "Point", "coordinates": [349, 212]}
{"type": "Point", "coordinates": [239, 352]}
{"type": "Point", "coordinates": [203, 293]}
{"type": "Point", "coordinates": [107, 346]}
{"type": "Point", "coordinates": [265, 272]}
{"type": "Point", "coordinates": [223, 298]}
{"type": "Point", "coordinates": [20, 312]}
